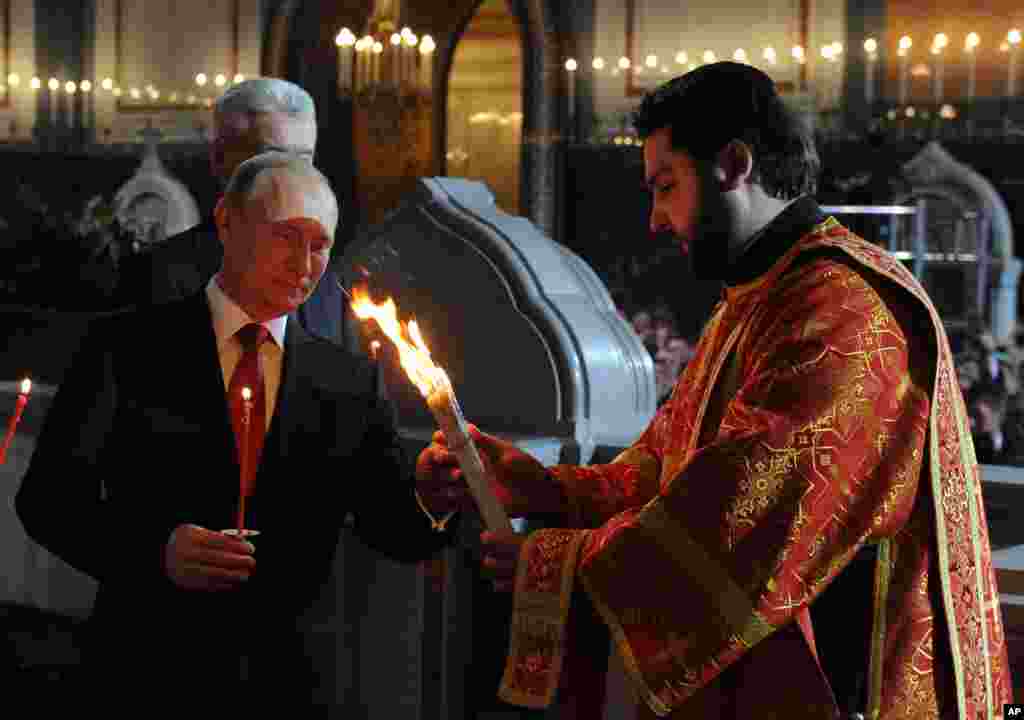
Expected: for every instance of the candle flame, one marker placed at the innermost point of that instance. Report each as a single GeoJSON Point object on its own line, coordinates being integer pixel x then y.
{"type": "Point", "coordinates": [412, 350]}
{"type": "Point", "coordinates": [246, 394]}
{"type": "Point", "coordinates": [26, 386]}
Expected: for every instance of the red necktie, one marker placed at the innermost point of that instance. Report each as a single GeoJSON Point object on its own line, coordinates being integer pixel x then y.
{"type": "Point", "coordinates": [249, 373]}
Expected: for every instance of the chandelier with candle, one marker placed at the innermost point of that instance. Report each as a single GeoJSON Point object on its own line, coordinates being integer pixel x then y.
{"type": "Point", "coordinates": [385, 59]}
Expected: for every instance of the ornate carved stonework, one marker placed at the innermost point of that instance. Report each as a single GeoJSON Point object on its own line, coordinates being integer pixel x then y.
{"type": "Point", "coordinates": [154, 202]}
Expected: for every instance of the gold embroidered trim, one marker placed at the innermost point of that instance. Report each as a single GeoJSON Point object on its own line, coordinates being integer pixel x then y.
{"type": "Point", "coordinates": [883, 573]}
{"type": "Point", "coordinates": [540, 613]}
{"type": "Point", "coordinates": [969, 461]}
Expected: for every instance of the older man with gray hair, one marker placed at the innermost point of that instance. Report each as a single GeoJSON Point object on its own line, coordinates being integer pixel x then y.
{"type": "Point", "coordinates": [252, 117]}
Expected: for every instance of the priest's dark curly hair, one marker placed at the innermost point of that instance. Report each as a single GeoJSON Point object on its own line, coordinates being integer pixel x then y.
{"type": "Point", "coordinates": [715, 104]}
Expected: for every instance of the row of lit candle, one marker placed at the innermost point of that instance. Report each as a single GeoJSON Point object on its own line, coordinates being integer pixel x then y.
{"type": "Point", "coordinates": [87, 86]}
{"type": "Point", "coordinates": [830, 52]}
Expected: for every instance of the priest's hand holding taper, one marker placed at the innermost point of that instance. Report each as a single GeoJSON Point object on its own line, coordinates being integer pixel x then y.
{"type": "Point", "coordinates": [519, 481]}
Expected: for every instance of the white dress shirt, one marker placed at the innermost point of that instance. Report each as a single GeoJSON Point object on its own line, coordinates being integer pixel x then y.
{"type": "Point", "coordinates": [228, 319]}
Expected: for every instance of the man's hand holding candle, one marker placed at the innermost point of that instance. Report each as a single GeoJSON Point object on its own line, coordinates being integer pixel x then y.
{"type": "Point", "coordinates": [518, 480]}
{"type": "Point", "coordinates": [199, 559]}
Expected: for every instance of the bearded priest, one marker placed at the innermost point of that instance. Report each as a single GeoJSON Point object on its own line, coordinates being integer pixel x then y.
{"type": "Point", "coordinates": [818, 431]}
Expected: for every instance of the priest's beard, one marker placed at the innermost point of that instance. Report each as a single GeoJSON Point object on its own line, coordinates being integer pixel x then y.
{"type": "Point", "coordinates": [711, 234]}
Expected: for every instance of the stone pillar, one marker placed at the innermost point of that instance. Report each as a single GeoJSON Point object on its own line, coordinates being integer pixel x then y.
{"type": "Point", "coordinates": [1004, 301]}
{"type": "Point", "coordinates": [542, 143]}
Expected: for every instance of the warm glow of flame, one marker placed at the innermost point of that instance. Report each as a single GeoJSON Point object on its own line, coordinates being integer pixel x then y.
{"type": "Point", "coordinates": [412, 350]}
{"type": "Point", "coordinates": [26, 386]}
{"type": "Point", "coordinates": [246, 394]}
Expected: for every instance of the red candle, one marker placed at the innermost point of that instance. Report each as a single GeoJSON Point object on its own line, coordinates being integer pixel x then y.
{"type": "Point", "coordinates": [244, 462]}
{"type": "Point", "coordinates": [26, 388]}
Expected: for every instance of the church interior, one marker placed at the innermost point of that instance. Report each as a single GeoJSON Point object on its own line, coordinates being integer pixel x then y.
{"type": "Point", "coordinates": [488, 174]}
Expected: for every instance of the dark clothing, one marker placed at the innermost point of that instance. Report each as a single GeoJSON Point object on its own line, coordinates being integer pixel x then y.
{"type": "Point", "coordinates": [768, 246]}
{"type": "Point", "coordinates": [183, 264]}
{"type": "Point", "coordinates": [139, 441]}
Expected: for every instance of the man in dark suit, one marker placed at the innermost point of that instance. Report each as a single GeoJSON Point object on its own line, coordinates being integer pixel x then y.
{"type": "Point", "coordinates": [137, 469]}
{"type": "Point", "coordinates": [254, 116]}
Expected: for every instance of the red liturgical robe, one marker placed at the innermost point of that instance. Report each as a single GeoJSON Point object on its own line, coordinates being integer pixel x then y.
{"type": "Point", "coordinates": [820, 413]}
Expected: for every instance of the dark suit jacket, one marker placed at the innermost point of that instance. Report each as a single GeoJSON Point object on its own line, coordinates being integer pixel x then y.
{"type": "Point", "coordinates": [138, 441]}
{"type": "Point", "coordinates": [183, 264]}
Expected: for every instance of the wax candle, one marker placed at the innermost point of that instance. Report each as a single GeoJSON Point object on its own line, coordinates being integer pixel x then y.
{"type": "Point", "coordinates": [243, 480]}
{"type": "Point", "coordinates": [871, 48]}
{"type": "Point", "coordinates": [444, 406]}
{"type": "Point", "coordinates": [970, 47]}
{"type": "Point", "coordinates": [904, 52]}
{"type": "Point", "coordinates": [1013, 39]}
{"type": "Point", "coordinates": [436, 388]}
{"type": "Point", "coordinates": [570, 68]}
{"type": "Point", "coordinates": [12, 425]}
{"type": "Point", "coordinates": [427, 47]}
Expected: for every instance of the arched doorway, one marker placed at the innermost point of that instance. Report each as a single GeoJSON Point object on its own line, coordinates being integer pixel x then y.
{"type": "Point", "coordinates": [485, 103]}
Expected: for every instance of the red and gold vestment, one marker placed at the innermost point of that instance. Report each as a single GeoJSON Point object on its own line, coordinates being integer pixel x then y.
{"type": "Point", "coordinates": [820, 413]}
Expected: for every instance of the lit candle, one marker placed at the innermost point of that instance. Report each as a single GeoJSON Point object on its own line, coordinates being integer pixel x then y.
{"type": "Point", "coordinates": [970, 46]}
{"type": "Point", "coordinates": [427, 47]}
{"type": "Point", "coordinates": [871, 48]}
{"type": "Point", "coordinates": [395, 53]}
{"type": "Point", "coordinates": [19, 407]}
{"type": "Point", "coordinates": [378, 49]}
{"type": "Point", "coordinates": [53, 85]}
{"type": "Point", "coordinates": [436, 388]}
{"type": "Point", "coordinates": [345, 40]}
{"type": "Point", "coordinates": [243, 482]}
{"type": "Point", "coordinates": [411, 43]}
{"type": "Point", "coordinates": [938, 75]}
{"type": "Point", "coordinates": [570, 71]}
{"type": "Point", "coordinates": [904, 52]}
{"type": "Point", "coordinates": [1013, 39]}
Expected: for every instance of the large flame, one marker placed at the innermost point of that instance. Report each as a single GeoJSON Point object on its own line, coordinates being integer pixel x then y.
{"type": "Point", "coordinates": [412, 350]}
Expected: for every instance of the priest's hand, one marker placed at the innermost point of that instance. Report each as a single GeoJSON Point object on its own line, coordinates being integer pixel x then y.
{"type": "Point", "coordinates": [518, 479]}
{"type": "Point", "coordinates": [501, 557]}
{"type": "Point", "coordinates": [199, 559]}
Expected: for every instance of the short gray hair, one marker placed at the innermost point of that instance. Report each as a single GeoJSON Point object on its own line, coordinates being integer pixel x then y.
{"type": "Point", "coordinates": [264, 95]}
{"type": "Point", "coordinates": [242, 182]}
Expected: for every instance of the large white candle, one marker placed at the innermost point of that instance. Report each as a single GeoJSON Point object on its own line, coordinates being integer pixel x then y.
{"type": "Point", "coordinates": [445, 408]}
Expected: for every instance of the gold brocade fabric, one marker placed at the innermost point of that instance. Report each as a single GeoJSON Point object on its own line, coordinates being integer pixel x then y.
{"type": "Point", "coordinates": [821, 412]}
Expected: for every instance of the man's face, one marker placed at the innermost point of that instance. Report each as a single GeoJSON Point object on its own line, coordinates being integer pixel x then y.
{"type": "Point", "coordinates": [686, 201]}
{"type": "Point", "coordinates": [242, 137]}
{"type": "Point", "coordinates": [276, 250]}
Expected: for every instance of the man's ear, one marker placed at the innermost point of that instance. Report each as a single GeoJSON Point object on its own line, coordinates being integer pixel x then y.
{"type": "Point", "coordinates": [733, 165]}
